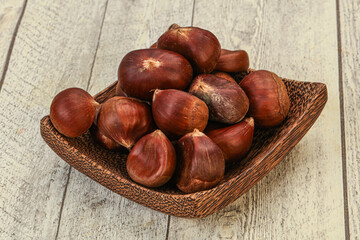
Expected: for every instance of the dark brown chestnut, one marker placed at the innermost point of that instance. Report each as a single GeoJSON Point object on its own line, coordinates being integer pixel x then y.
{"type": "Point", "coordinates": [224, 76]}
{"type": "Point", "coordinates": [233, 61]}
{"type": "Point", "coordinates": [176, 112]}
{"type": "Point", "coordinates": [227, 102]}
{"type": "Point", "coordinates": [199, 46]}
{"type": "Point", "coordinates": [125, 120]}
{"type": "Point", "coordinates": [103, 140]}
{"type": "Point", "coordinates": [235, 140]}
{"type": "Point", "coordinates": [201, 164]}
{"type": "Point", "coordinates": [152, 160]}
{"type": "Point", "coordinates": [268, 97]}
{"type": "Point", "coordinates": [143, 71]}
{"type": "Point", "coordinates": [72, 111]}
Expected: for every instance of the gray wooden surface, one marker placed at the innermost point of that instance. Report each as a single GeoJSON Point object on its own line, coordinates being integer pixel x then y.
{"type": "Point", "coordinates": [47, 46]}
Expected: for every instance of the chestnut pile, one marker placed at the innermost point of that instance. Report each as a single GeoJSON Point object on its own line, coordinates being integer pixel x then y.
{"type": "Point", "coordinates": [177, 111]}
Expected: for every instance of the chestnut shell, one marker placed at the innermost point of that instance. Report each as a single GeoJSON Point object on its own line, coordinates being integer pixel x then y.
{"type": "Point", "coordinates": [142, 71]}
{"type": "Point", "coordinates": [72, 111]}
{"type": "Point", "coordinates": [235, 140]}
{"type": "Point", "coordinates": [199, 46]}
{"type": "Point", "coordinates": [176, 112]}
{"type": "Point", "coordinates": [268, 97]}
{"type": "Point", "coordinates": [233, 61]}
{"type": "Point", "coordinates": [201, 164]}
{"type": "Point", "coordinates": [226, 100]}
{"type": "Point", "coordinates": [152, 160]}
{"type": "Point", "coordinates": [125, 120]}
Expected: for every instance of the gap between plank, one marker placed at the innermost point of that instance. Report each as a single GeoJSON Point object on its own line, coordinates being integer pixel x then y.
{"type": "Point", "coordinates": [342, 123]}
{"type": "Point", "coordinates": [7, 60]}
{"type": "Point", "coordinates": [62, 202]}
{"type": "Point", "coordinates": [87, 88]}
{"type": "Point", "coordinates": [168, 223]}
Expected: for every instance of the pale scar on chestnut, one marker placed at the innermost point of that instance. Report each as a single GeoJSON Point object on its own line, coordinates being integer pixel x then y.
{"type": "Point", "coordinates": [149, 64]}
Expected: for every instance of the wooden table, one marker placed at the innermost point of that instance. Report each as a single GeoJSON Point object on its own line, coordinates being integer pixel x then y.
{"type": "Point", "coordinates": [47, 46]}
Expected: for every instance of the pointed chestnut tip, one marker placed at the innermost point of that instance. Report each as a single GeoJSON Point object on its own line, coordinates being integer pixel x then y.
{"type": "Point", "coordinates": [197, 133]}
{"type": "Point", "coordinates": [250, 121]}
{"type": "Point", "coordinates": [158, 132]}
{"type": "Point", "coordinates": [173, 26]}
{"type": "Point", "coordinates": [156, 91]}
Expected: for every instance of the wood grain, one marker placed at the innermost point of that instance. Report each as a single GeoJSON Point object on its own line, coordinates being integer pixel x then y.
{"type": "Point", "coordinates": [128, 25]}
{"type": "Point", "coordinates": [302, 197]}
{"type": "Point", "coordinates": [54, 49]}
{"type": "Point", "coordinates": [10, 12]}
{"type": "Point", "coordinates": [350, 55]}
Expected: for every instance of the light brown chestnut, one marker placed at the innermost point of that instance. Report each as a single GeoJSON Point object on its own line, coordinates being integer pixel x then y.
{"type": "Point", "coordinates": [152, 160]}
{"type": "Point", "coordinates": [72, 111]}
{"type": "Point", "coordinates": [201, 164]}
{"type": "Point", "coordinates": [224, 76]}
{"type": "Point", "coordinates": [268, 97]}
{"type": "Point", "coordinates": [143, 71]}
{"type": "Point", "coordinates": [125, 120]}
{"type": "Point", "coordinates": [233, 61]}
{"type": "Point", "coordinates": [235, 140]}
{"type": "Point", "coordinates": [103, 140]}
{"type": "Point", "coordinates": [227, 102]}
{"type": "Point", "coordinates": [176, 112]}
{"type": "Point", "coordinates": [199, 46]}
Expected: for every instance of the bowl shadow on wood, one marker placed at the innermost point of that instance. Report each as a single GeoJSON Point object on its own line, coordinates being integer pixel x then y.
{"type": "Point", "coordinates": [269, 147]}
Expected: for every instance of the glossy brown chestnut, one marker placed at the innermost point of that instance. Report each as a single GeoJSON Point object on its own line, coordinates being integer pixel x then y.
{"type": "Point", "coordinates": [125, 120]}
{"type": "Point", "coordinates": [119, 91]}
{"type": "Point", "coordinates": [199, 46]}
{"type": "Point", "coordinates": [103, 140]}
{"type": "Point", "coordinates": [227, 102]}
{"type": "Point", "coordinates": [268, 97]}
{"type": "Point", "coordinates": [72, 112]}
{"type": "Point", "coordinates": [201, 164]}
{"type": "Point", "coordinates": [235, 140]}
{"type": "Point", "coordinates": [177, 113]}
{"type": "Point", "coordinates": [143, 71]}
{"type": "Point", "coordinates": [224, 76]}
{"type": "Point", "coordinates": [152, 160]}
{"type": "Point", "coordinates": [233, 61]}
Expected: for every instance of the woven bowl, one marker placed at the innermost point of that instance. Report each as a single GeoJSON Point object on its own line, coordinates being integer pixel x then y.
{"type": "Point", "coordinates": [269, 148]}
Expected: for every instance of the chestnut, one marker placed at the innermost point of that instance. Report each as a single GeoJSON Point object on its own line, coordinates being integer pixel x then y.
{"type": "Point", "coordinates": [72, 111]}
{"type": "Point", "coordinates": [235, 140]}
{"type": "Point", "coordinates": [152, 160]}
{"type": "Point", "coordinates": [233, 61]}
{"type": "Point", "coordinates": [103, 140]}
{"type": "Point", "coordinates": [199, 46]}
{"type": "Point", "coordinates": [143, 71]}
{"type": "Point", "coordinates": [268, 97]}
{"type": "Point", "coordinates": [125, 120]}
{"type": "Point", "coordinates": [176, 112]}
{"type": "Point", "coordinates": [224, 76]}
{"type": "Point", "coordinates": [227, 102]}
{"type": "Point", "coordinates": [201, 164]}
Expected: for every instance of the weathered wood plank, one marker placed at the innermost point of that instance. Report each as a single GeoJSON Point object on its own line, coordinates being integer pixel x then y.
{"type": "Point", "coordinates": [350, 55]}
{"type": "Point", "coordinates": [54, 49]}
{"type": "Point", "coordinates": [302, 198]}
{"type": "Point", "coordinates": [90, 210]}
{"type": "Point", "coordinates": [10, 12]}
